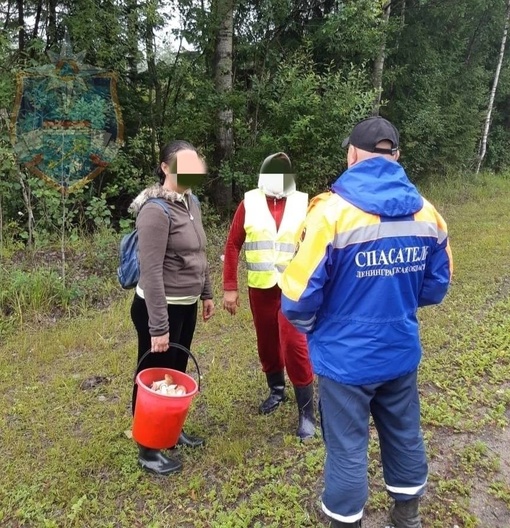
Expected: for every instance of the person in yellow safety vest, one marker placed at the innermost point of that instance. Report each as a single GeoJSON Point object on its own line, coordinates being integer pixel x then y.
{"type": "Point", "coordinates": [267, 222]}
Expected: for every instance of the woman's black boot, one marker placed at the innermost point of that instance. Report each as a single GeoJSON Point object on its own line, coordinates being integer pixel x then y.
{"type": "Point", "coordinates": [186, 440]}
{"type": "Point", "coordinates": [276, 383]}
{"type": "Point", "coordinates": [154, 461]}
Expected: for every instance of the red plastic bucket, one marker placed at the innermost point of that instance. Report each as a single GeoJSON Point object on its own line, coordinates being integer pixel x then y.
{"type": "Point", "coordinates": [158, 419]}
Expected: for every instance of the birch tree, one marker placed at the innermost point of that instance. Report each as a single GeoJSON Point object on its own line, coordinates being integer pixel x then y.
{"type": "Point", "coordinates": [224, 11]}
{"type": "Point", "coordinates": [483, 144]}
{"type": "Point", "coordinates": [151, 20]}
{"type": "Point", "coordinates": [379, 61]}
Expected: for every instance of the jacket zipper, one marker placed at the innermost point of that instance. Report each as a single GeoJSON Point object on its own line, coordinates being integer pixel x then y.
{"type": "Point", "coordinates": [274, 215]}
{"type": "Point", "coordinates": [187, 208]}
{"type": "Point", "coordinates": [192, 218]}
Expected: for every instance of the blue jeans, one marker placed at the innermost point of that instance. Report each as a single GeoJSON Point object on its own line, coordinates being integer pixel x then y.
{"type": "Point", "coordinates": [345, 412]}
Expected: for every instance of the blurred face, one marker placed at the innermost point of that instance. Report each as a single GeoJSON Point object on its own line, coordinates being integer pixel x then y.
{"type": "Point", "coordinates": [185, 170]}
{"type": "Point", "coordinates": [276, 184]}
{"type": "Point", "coordinates": [276, 176]}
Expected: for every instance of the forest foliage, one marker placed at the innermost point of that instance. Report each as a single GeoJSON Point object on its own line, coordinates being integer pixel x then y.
{"type": "Point", "coordinates": [244, 78]}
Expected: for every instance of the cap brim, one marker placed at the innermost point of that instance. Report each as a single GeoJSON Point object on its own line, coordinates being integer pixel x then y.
{"type": "Point", "coordinates": [345, 142]}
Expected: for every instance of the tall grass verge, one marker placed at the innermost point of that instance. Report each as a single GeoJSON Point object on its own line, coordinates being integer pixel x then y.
{"type": "Point", "coordinates": [458, 188]}
{"type": "Point", "coordinates": [38, 286]}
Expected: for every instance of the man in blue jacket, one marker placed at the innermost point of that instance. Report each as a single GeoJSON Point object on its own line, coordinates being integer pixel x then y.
{"type": "Point", "coordinates": [372, 251]}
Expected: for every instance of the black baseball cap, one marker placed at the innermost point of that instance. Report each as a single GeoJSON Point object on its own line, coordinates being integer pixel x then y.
{"type": "Point", "coordinates": [369, 132]}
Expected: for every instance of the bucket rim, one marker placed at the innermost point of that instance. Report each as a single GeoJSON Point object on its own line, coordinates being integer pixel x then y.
{"type": "Point", "coordinates": [176, 345]}
{"type": "Point", "coordinates": [138, 381]}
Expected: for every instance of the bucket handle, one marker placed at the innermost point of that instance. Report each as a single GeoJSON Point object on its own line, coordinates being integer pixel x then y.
{"type": "Point", "coordinates": [174, 345]}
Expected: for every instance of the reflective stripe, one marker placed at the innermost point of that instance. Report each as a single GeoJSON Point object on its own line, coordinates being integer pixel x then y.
{"type": "Point", "coordinates": [342, 518]}
{"type": "Point", "coordinates": [263, 244]}
{"type": "Point", "coordinates": [387, 230]}
{"type": "Point", "coordinates": [282, 246]}
{"type": "Point", "coordinates": [269, 250]}
{"type": "Point", "coordinates": [406, 491]}
{"type": "Point", "coordinates": [269, 244]}
{"type": "Point", "coordinates": [308, 323]}
{"type": "Point", "coordinates": [265, 266]}
{"type": "Point", "coordinates": [260, 266]}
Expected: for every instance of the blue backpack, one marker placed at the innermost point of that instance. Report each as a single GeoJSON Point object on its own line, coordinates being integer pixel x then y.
{"type": "Point", "coordinates": [128, 271]}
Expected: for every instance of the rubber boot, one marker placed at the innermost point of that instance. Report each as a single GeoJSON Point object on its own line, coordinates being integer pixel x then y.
{"type": "Point", "coordinates": [306, 408]}
{"type": "Point", "coordinates": [276, 383]}
{"type": "Point", "coordinates": [405, 514]}
{"type": "Point", "coordinates": [186, 440]}
{"type": "Point", "coordinates": [154, 461]}
{"type": "Point", "coordinates": [340, 524]}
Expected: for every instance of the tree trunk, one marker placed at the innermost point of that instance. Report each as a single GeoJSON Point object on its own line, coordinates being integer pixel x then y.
{"type": "Point", "coordinates": [27, 198]}
{"type": "Point", "coordinates": [7, 15]}
{"type": "Point", "coordinates": [483, 145]}
{"type": "Point", "coordinates": [154, 83]}
{"type": "Point", "coordinates": [51, 31]}
{"type": "Point", "coordinates": [481, 24]}
{"type": "Point", "coordinates": [379, 62]}
{"type": "Point", "coordinates": [21, 26]}
{"type": "Point", "coordinates": [132, 39]}
{"type": "Point", "coordinates": [223, 80]}
{"type": "Point", "coordinates": [37, 20]}
{"type": "Point", "coordinates": [402, 23]}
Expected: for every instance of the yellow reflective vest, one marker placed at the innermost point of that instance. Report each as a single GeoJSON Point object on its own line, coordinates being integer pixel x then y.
{"type": "Point", "coordinates": [268, 252]}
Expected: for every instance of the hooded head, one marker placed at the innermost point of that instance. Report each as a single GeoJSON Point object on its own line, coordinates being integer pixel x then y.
{"type": "Point", "coordinates": [276, 177]}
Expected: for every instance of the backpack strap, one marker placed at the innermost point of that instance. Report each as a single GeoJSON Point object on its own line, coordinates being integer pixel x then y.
{"type": "Point", "coordinates": [196, 201]}
{"type": "Point", "coordinates": [162, 203]}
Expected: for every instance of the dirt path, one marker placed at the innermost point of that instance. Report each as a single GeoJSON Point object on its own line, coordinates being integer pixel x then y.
{"type": "Point", "coordinates": [490, 511]}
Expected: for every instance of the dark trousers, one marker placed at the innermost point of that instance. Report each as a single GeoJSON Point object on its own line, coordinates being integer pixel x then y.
{"type": "Point", "coordinates": [345, 411]}
{"type": "Point", "coordinates": [182, 320]}
{"type": "Point", "coordinates": [279, 344]}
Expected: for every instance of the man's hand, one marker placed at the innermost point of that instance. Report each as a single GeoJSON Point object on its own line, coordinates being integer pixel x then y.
{"type": "Point", "coordinates": [207, 309]}
{"type": "Point", "coordinates": [231, 301]}
{"type": "Point", "coordinates": [160, 343]}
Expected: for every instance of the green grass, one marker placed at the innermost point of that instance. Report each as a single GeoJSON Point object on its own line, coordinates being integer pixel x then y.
{"type": "Point", "coordinates": [68, 463]}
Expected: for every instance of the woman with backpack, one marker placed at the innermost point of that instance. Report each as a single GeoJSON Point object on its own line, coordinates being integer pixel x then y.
{"type": "Point", "coordinates": [174, 276]}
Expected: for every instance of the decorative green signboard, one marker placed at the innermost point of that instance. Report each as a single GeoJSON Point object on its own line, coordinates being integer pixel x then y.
{"type": "Point", "coordinates": [66, 124]}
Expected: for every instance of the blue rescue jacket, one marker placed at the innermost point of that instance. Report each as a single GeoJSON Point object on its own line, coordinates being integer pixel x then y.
{"type": "Point", "coordinates": [371, 252]}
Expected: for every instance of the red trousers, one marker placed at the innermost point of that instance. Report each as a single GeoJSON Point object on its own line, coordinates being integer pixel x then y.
{"type": "Point", "coordinates": [279, 344]}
